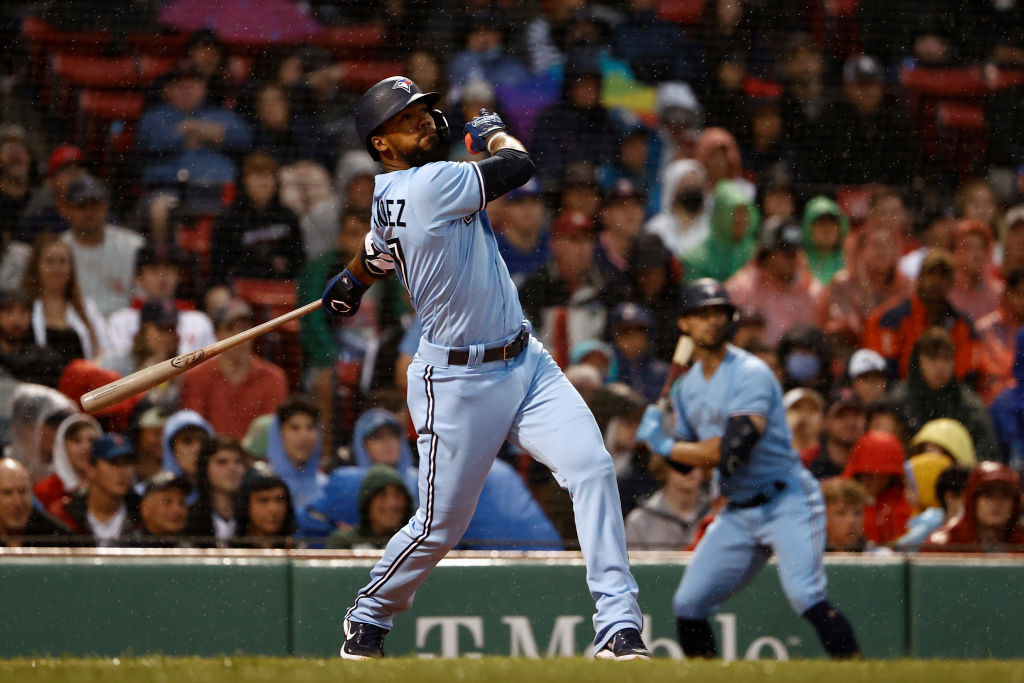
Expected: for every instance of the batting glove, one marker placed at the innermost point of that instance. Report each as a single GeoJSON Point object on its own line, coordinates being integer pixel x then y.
{"type": "Point", "coordinates": [343, 293]}
{"type": "Point", "coordinates": [653, 434]}
{"type": "Point", "coordinates": [480, 129]}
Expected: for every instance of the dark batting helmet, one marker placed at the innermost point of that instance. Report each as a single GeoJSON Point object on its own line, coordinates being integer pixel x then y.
{"type": "Point", "coordinates": [387, 98]}
{"type": "Point", "coordinates": [705, 293]}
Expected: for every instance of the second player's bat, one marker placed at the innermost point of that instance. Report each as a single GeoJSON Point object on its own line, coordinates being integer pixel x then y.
{"type": "Point", "coordinates": [681, 360]}
{"type": "Point", "coordinates": [147, 378]}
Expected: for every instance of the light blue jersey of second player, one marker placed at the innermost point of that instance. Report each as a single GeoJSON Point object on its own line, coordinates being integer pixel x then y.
{"type": "Point", "coordinates": [741, 385]}
{"type": "Point", "coordinates": [431, 220]}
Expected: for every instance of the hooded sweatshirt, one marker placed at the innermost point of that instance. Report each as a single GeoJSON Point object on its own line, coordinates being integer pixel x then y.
{"type": "Point", "coordinates": [885, 518]}
{"type": "Point", "coordinates": [952, 437]}
{"type": "Point", "coordinates": [680, 239]}
{"type": "Point", "coordinates": [304, 483]}
{"type": "Point", "coordinates": [175, 423]}
{"type": "Point", "coordinates": [719, 256]}
{"type": "Point", "coordinates": [64, 478]}
{"type": "Point", "coordinates": [955, 400]}
{"type": "Point", "coordinates": [961, 533]}
{"type": "Point", "coordinates": [824, 265]}
{"type": "Point", "coordinates": [337, 505]}
{"type": "Point", "coordinates": [362, 536]}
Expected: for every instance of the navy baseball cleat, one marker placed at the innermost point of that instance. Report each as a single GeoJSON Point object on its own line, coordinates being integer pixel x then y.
{"type": "Point", "coordinates": [363, 641]}
{"type": "Point", "coordinates": [626, 644]}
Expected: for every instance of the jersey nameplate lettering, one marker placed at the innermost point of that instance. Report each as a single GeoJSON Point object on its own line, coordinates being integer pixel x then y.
{"type": "Point", "coordinates": [389, 213]}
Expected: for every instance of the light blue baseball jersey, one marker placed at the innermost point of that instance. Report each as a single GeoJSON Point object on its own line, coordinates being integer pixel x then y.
{"type": "Point", "coordinates": [742, 384]}
{"type": "Point", "coordinates": [431, 220]}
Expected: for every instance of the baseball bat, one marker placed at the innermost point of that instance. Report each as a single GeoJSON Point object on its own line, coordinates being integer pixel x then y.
{"type": "Point", "coordinates": [147, 378]}
{"type": "Point", "coordinates": [681, 358]}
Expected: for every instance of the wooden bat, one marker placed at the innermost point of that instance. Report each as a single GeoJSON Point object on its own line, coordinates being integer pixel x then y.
{"type": "Point", "coordinates": [147, 378]}
{"type": "Point", "coordinates": [681, 361]}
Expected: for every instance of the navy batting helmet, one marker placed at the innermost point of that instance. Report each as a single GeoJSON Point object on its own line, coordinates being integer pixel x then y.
{"type": "Point", "coordinates": [704, 293]}
{"type": "Point", "coordinates": [387, 98]}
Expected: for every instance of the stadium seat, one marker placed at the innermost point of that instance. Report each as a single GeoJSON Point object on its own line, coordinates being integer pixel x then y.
{"type": "Point", "coordinates": [270, 299]}
{"type": "Point", "coordinates": [74, 70]}
{"type": "Point", "coordinates": [360, 75]}
{"type": "Point", "coordinates": [687, 12]}
{"type": "Point", "coordinates": [170, 45]}
{"type": "Point", "coordinates": [957, 82]}
{"type": "Point", "coordinates": [347, 42]}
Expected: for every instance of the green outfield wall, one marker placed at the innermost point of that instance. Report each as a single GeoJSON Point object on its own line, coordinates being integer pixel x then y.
{"type": "Point", "coordinates": [284, 604]}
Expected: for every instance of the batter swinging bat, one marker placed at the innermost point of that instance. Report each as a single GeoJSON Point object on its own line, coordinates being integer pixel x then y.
{"type": "Point", "coordinates": [147, 378]}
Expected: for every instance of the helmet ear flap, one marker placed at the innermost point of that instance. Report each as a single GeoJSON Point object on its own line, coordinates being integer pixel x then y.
{"type": "Point", "coordinates": [443, 130]}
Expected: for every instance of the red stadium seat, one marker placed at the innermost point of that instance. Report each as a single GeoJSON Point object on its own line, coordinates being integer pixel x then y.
{"type": "Point", "coordinates": [270, 299]}
{"type": "Point", "coordinates": [686, 12]}
{"type": "Point", "coordinates": [351, 41]}
{"type": "Point", "coordinates": [360, 75]}
{"type": "Point", "coordinates": [171, 45]}
{"type": "Point", "coordinates": [126, 106]}
{"type": "Point", "coordinates": [961, 115]}
{"type": "Point", "coordinates": [152, 67]}
{"type": "Point", "coordinates": [958, 82]}
{"type": "Point", "coordinates": [95, 72]}
{"type": "Point", "coordinates": [39, 33]}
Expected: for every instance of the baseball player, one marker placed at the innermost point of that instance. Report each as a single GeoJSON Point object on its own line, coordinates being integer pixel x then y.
{"type": "Point", "coordinates": [478, 377]}
{"type": "Point", "coordinates": [729, 415]}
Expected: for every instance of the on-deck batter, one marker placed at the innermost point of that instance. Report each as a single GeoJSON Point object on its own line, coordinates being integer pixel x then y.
{"type": "Point", "coordinates": [729, 415]}
{"type": "Point", "coordinates": [479, 377]}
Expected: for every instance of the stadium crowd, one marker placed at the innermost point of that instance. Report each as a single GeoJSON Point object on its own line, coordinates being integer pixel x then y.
{"type": "Point", "coordinates": [865, 222]}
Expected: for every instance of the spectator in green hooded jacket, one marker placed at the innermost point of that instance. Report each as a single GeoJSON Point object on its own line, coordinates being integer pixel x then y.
{"type": "Point", "coordinates": [825, 227]}
{"type": "Point", "coordinates": [734, 224]}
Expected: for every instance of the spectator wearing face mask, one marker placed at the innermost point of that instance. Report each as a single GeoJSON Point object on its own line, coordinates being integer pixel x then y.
{"type": "Point", "coordinates": [683, 221]}
{"type": "Point", "coordinates": [806, 361]}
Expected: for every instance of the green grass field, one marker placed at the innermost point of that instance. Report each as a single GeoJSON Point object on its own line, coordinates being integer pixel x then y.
{"type": "Point", "coordinates": [497, 670]}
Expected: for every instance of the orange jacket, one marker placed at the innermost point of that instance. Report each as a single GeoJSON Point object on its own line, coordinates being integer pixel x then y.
{"type": "Point", "coordinates": [893, 329]}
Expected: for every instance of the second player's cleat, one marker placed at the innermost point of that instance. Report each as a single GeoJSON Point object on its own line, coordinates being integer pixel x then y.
{"type": "Point", "coordinates": [626, 644]}
{"type": "Point", "coordinates": [363, 641]}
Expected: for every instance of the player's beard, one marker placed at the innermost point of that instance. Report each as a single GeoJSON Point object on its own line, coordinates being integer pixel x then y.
{"type": "Point", "coordinates": [419, 156]}
{"type": "Point", "coordinates": [713, 341]}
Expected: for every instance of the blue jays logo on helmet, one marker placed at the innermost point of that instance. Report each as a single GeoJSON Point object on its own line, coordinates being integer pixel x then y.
{"type": "Point", "coordinates": [703, 293]}
{"type": "Point", "coordinates": [403, 84]}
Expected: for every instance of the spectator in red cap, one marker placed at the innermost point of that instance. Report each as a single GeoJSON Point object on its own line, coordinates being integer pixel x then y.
{"type": "Point", "coordinates": [568, 298]}
{"type": "Point", "coordinates": [47, 211]}
{"type": "Point", "coordinates": [976, 289]}
{"type": "Point", "coordinates": [876, 461]}
{"type": "Point", "coordinates": [238, 386]}
{"type": "Point", "coordinates": [82, 376]}
{"type": "Point", "coordinates": [158, 269]}
{"type": "Point", "coordinates": [104, 252]}
{"type": "Point", "coordinates": [991, 518]}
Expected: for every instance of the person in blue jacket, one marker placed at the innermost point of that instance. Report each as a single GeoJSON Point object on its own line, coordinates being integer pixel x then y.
{"type": "Point", "coordinates": [507, 517]}
{"type": "Point", "coordinates": [1007, 412]}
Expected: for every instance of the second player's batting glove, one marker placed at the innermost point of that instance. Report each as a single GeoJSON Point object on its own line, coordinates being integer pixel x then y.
{"type": "Point", "coordinates": [480, 129]}
{"type": "Point", "coordinates": [653, 434]}
{"type": "Point", "coordinates": [342, 295]}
